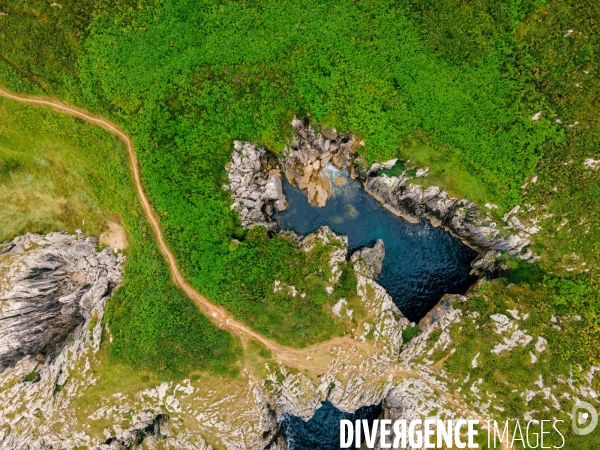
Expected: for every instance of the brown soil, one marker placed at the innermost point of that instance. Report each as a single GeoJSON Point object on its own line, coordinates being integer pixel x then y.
{"type": "Point", "coordinates": [114, 237]}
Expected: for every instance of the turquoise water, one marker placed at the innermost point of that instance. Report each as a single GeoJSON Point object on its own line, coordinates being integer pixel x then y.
{"type": "Point", "coordinates": [421, 264]}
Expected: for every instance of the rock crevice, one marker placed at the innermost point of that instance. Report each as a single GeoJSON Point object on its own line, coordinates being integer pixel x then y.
{"type": "Point", "coordinates": [255, 182]}
{"type": "Point", "coordinates": [50, 284]}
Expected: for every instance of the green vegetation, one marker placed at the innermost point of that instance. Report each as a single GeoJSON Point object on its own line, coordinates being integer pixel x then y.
{"type": "Point", "coordinates": [545, 308]}
{"type": "Point", "coordinates": [65, 172]}
{"type": "Point", "coordinates": [576, 341]}
{"type": "Point", "coordinates": [31, 376]}
{"type": "Point", "coordinates": [243, 280]}
{"type": "Point", "coordinates": [259, 349]}
{"type": "Point", "coordinates": [39, 191]}
{"type": "Point", "coordinates": [409, 333]}
{"type": "Point", "coordinates": [450, 85]}
{"type": "Point", "coordinates": [185, 84]}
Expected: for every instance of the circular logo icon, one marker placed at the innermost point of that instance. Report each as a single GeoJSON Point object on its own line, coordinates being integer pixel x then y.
{"type": "Point", "coordinates": [582, 412]}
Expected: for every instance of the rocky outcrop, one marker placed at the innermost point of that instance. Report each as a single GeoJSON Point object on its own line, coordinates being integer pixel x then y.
{"type": "Point", "coordinates": [416, 398]}
{"type": "Point", "coordinates": [50, 284]}
{"type": "Point", "coordinates": [304, 164]}
{"type": "Point", "coordinates": [53, 293]}
{"type": "Point", "coordinates": [441, 317]}
{"type": "Point", "coordinates": [255, 184]}
{"type": "Point", "coordinates": [255, 173]}
{"type": "Point", "coordinates": [411, 399]}
{"type": "Point", "coordinates": [373, 258]}
{"type": "Point", "coordinates": [146, 432]}
{"type": "Point", "coordinates": [347, 384]}
{"type": "Point", "coordinates": [53, 290]}
{"type": "Point", "coordinates": [460, 217]}
{"type": "Point", "coordinates": [488, 264]}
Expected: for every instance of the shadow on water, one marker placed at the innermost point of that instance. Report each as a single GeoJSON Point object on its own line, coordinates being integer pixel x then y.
{"type": "Point", "coordinates": [322, 431]}
{"type": "Point", "coordinates": [421, 264]}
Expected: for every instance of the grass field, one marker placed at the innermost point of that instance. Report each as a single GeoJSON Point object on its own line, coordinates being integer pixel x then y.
{"type": "Point", "coordinates": [43, 186]}
{"type": "Point", "coordinates": [64, 172]}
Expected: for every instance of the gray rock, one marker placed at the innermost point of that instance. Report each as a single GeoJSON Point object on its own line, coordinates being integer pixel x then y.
{"type": "Point", "coordinates": [49, 285]}
{"type": "Point", "coordinates": [372, 257]}
{"type": "Point", "coordinates": [255, 173]}
{"type": "Point", "coordinates": [487, 264]}
{"type": "Point", "coordinates": [460, 217]}
{"type": "Point", "coordinates": [145, 430]}
{"type": "Point", "coordinates": [438, 312]}
{"type": "Point", "coordinates": [274, 191]}
{"type": "Point", "coordinates": [255, 184]}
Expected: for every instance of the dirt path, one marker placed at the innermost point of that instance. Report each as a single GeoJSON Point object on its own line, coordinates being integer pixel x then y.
{"type": "Point", "coordinates": [215, 313]}
{"type": "Point", "coordinates": [298, 358]}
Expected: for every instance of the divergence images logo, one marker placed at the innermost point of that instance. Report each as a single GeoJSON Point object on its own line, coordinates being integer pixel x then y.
{"type": "Point", "coordinates": [580, 418]}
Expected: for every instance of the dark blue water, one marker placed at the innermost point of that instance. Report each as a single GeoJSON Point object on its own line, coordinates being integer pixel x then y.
{"type": "Point", "coordinates": [421, 264]}
{"type": "Point", "coordinates": [322, 431]}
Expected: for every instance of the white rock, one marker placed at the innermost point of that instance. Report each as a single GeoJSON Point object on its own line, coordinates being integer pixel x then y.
{"type": "Point", "coordinates": [541, 344]}
{"type": "Point", "coordinates": [591, 163]}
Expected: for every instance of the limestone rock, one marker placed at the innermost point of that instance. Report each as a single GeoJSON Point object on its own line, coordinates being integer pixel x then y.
{"type": "Point", "coordinates": [372, 258]}
{"type": "Point", "coordinates": [487, 264]}
{"type": "Point", "coordinates": [591, 163]}
{"type": "Point", "coordinates": [53, 290]}
{"type": "Point", "coordinates": [437, 313]}
{"type": "Point", "coordinates": [49, 286]}
{"type": "Point", "coordinates": [311, 153]}
{"type": "Point", "coordinates": [441, 317]}
{"type": "Point", "coordinates": [411, 399]}
{"type": "Point", "coordinates": [147, 431]}
{"type": "Point", "coordinates": [274, 191]}
{"type": "Point", "coordinates": [255, 184]}
{"type": "Point", "coordinates": [256, 189]}
{"type": "Point", "coordinates": [460, 217]}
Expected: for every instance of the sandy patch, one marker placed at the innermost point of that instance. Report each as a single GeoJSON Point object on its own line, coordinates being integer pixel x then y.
{"type": "Point", "coordinates": [339, 181]}
{"type": "Point", "coordinates": [78, 278]}
{"type": "Point", "coordinates": [114, 237]}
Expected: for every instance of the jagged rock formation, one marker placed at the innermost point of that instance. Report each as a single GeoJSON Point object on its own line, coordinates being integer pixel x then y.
{"type": "Point", "coordinates": [146, 431]}
{"type": "Point", "coordinates": [311, 152]}
{"type": "Point", "coordinates": [373, 257]}
{"type": "Point", "coordinates": [374, 366]}
{"type": "Point", "coordinates": [51, 287]}
{"type": "Point", "coordinates": [42, 413]}
{"type": "Point", "coordinates": [255, 174]}
{"type": "Point", "coordinates": [255, 184]}
{"type": "Point", "coordinates": [53, 292]}
{"type": "Point", "coordinates": [50, 284]}
{"type": "Point", "coordinates": [410, 400]}
{"type": "Point", "coordinates": [347, 384]}
{"type": "Point", "coordinates": [460, 217]}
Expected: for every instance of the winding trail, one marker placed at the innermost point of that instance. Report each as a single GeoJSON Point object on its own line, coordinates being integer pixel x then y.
{"type": "Point", "coordinates": [298, 358]}
{"type": "Point", "coordinates": [215, 313]}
